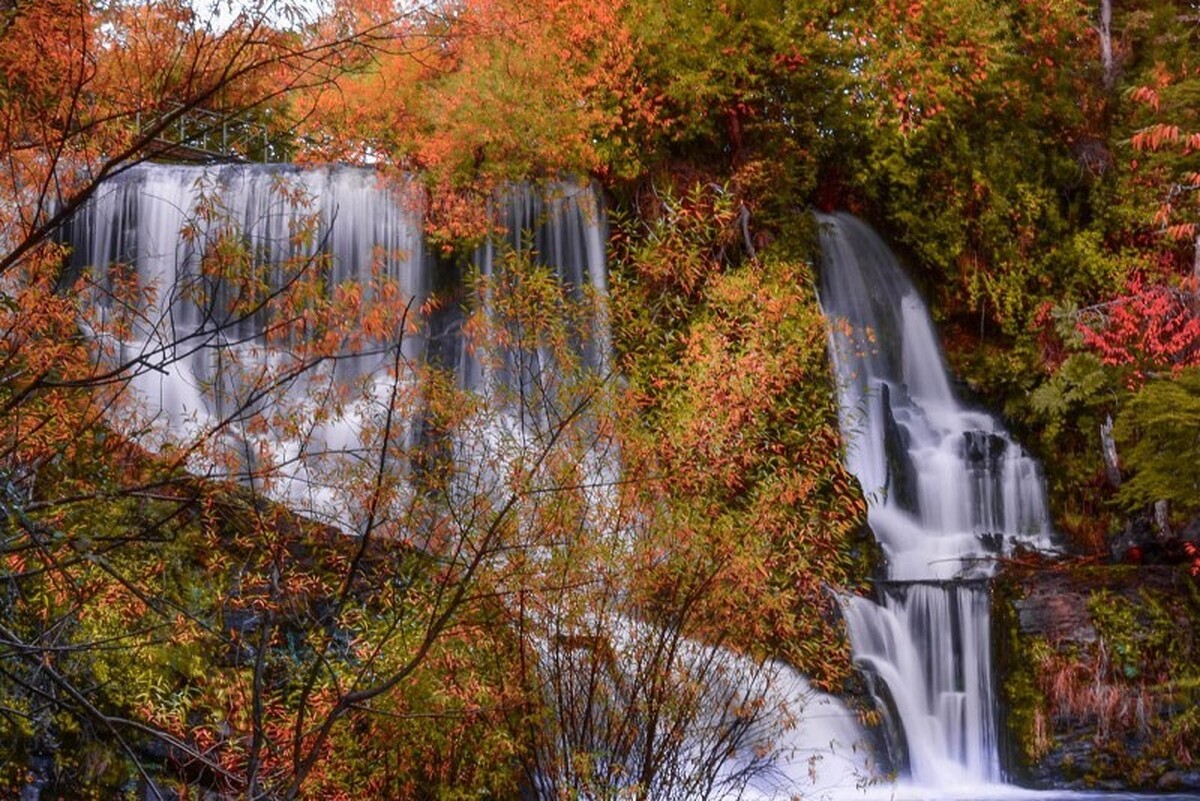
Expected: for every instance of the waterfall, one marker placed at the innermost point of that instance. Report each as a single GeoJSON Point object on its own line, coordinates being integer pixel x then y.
{"type": "Point", "coordinates": [948, 490]}
{"type": "Point", "coordinates": [199, 347]}
{"type": "Point", "coordinates": [158, 222]}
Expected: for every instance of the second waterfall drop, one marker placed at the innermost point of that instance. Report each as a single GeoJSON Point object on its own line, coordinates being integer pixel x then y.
{"type": "Point", "coordinates": [948, 491]}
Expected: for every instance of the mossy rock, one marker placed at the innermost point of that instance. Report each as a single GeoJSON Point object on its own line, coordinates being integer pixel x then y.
{"type": "Point", "coordinates": [1098, 669]}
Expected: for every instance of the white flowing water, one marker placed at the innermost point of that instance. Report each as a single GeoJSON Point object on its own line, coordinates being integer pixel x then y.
{"type": "Point", "coordinates": [712, 724]}
{"type": "Point", "coordinates": [948, 490]}
{"type": "Point", "coordinates": [197, 353]}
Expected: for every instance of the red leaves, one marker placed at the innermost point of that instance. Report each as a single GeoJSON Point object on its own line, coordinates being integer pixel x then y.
{"type": "Point", "coordinates": [1193, 553]}
{"type": "Point", "coordinates": [1152, 328]}
{"type": "Point", "coordinates": [791, 61]}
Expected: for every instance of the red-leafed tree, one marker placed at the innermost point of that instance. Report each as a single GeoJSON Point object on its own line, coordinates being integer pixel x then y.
{"type": "Point", "coordinates": [1152, 329]}
{"type": "Point", "coordinates": [1165, 160]}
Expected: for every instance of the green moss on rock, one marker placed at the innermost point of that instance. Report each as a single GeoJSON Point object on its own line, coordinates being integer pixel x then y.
{"type": "Point", "coordinates": [1099, 676]}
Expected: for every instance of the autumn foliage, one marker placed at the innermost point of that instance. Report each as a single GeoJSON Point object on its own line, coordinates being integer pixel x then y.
{"type": "Point", "coordinates": [170, 620]}
{"type": "Point", "coordinates": [1150, 329]}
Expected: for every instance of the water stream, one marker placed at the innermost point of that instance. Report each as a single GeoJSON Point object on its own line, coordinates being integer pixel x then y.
{"type": "Point", "coordinates": [948, 490]}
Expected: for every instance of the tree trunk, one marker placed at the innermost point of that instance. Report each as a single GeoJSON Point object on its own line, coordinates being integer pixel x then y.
{"type": "Point", "coordinates": [1162, 519]}
{"type": "Point", "coordinates": [1106, 52]}
{"type": "Point", "coordinates": [1108, 447]}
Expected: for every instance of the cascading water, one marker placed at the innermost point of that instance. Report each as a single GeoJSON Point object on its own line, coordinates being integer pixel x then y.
{"type": "Point", "coordinates": [200, 358]}
{"type": "Point", "coordinates": [948, 491]}
{"type": "Point", "coordinates": [562, 227]}
{"type": "Point", "coordinates": [158, 221]}
{"type": "Point", "coordinates": [198, 351]}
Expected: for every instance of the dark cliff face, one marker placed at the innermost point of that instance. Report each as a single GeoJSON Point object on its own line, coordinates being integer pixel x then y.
{"type": "Point", "coordinates": [1099, 676]}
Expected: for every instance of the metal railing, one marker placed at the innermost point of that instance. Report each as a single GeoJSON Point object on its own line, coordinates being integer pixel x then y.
{"type": "Point", "coordinates": [202, 134]}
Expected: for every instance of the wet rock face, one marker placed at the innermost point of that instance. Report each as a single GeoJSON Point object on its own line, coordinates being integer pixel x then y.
{"type": "Point", "coordinates": [1053, 609]}
{"type": "Point", "coordinates": [1099, 676]}
{"type": "Point", "coordinates": [902, 474]}
{"type": "Point", "coordinates": [983, 450]}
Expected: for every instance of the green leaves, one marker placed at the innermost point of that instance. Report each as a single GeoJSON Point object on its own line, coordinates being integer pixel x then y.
{"type": "Point", "coordinates": [1072, 395]}
{"type": "Point", "coordinates": [1158, 432]}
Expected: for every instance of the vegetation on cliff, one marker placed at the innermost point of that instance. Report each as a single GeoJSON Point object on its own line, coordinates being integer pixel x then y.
{"type": "Point", "coordinates": [1100, 678]}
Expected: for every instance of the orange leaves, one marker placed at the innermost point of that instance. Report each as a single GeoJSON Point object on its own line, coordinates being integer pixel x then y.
{"type": "Point", "coordinates": [501, 90]}
{"type": "Point", "coordinates": [1181, 231]}
{"type": "Point", "coordinates": [494, 90]}
{"type": "Point", "coordinates": [1145, 94]}
{"type": "Point", "coordinates": [1156, 137]}
{"type": "Point", "coordinates": [458, 215]}
{"type": "Point", "coordinates": [1163, 76]}
{"type": "Point", "coordinates": [749, 442]}
{"type": "Point", "coordinates": [1166, 147]}
{"type": "Point", "coordinates": [41, 354]}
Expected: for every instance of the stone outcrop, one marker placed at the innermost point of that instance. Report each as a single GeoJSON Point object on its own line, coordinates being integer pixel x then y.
{"type": "Point", "coordinates": [1098, 670]}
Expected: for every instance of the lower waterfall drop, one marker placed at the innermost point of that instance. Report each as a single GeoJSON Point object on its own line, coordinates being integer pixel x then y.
{"type": "Point", "coordinates": [948, 491]}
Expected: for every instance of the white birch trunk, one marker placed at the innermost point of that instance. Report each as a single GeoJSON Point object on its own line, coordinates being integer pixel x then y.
{"type": "Point", "coordinates": [1106, 51]}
